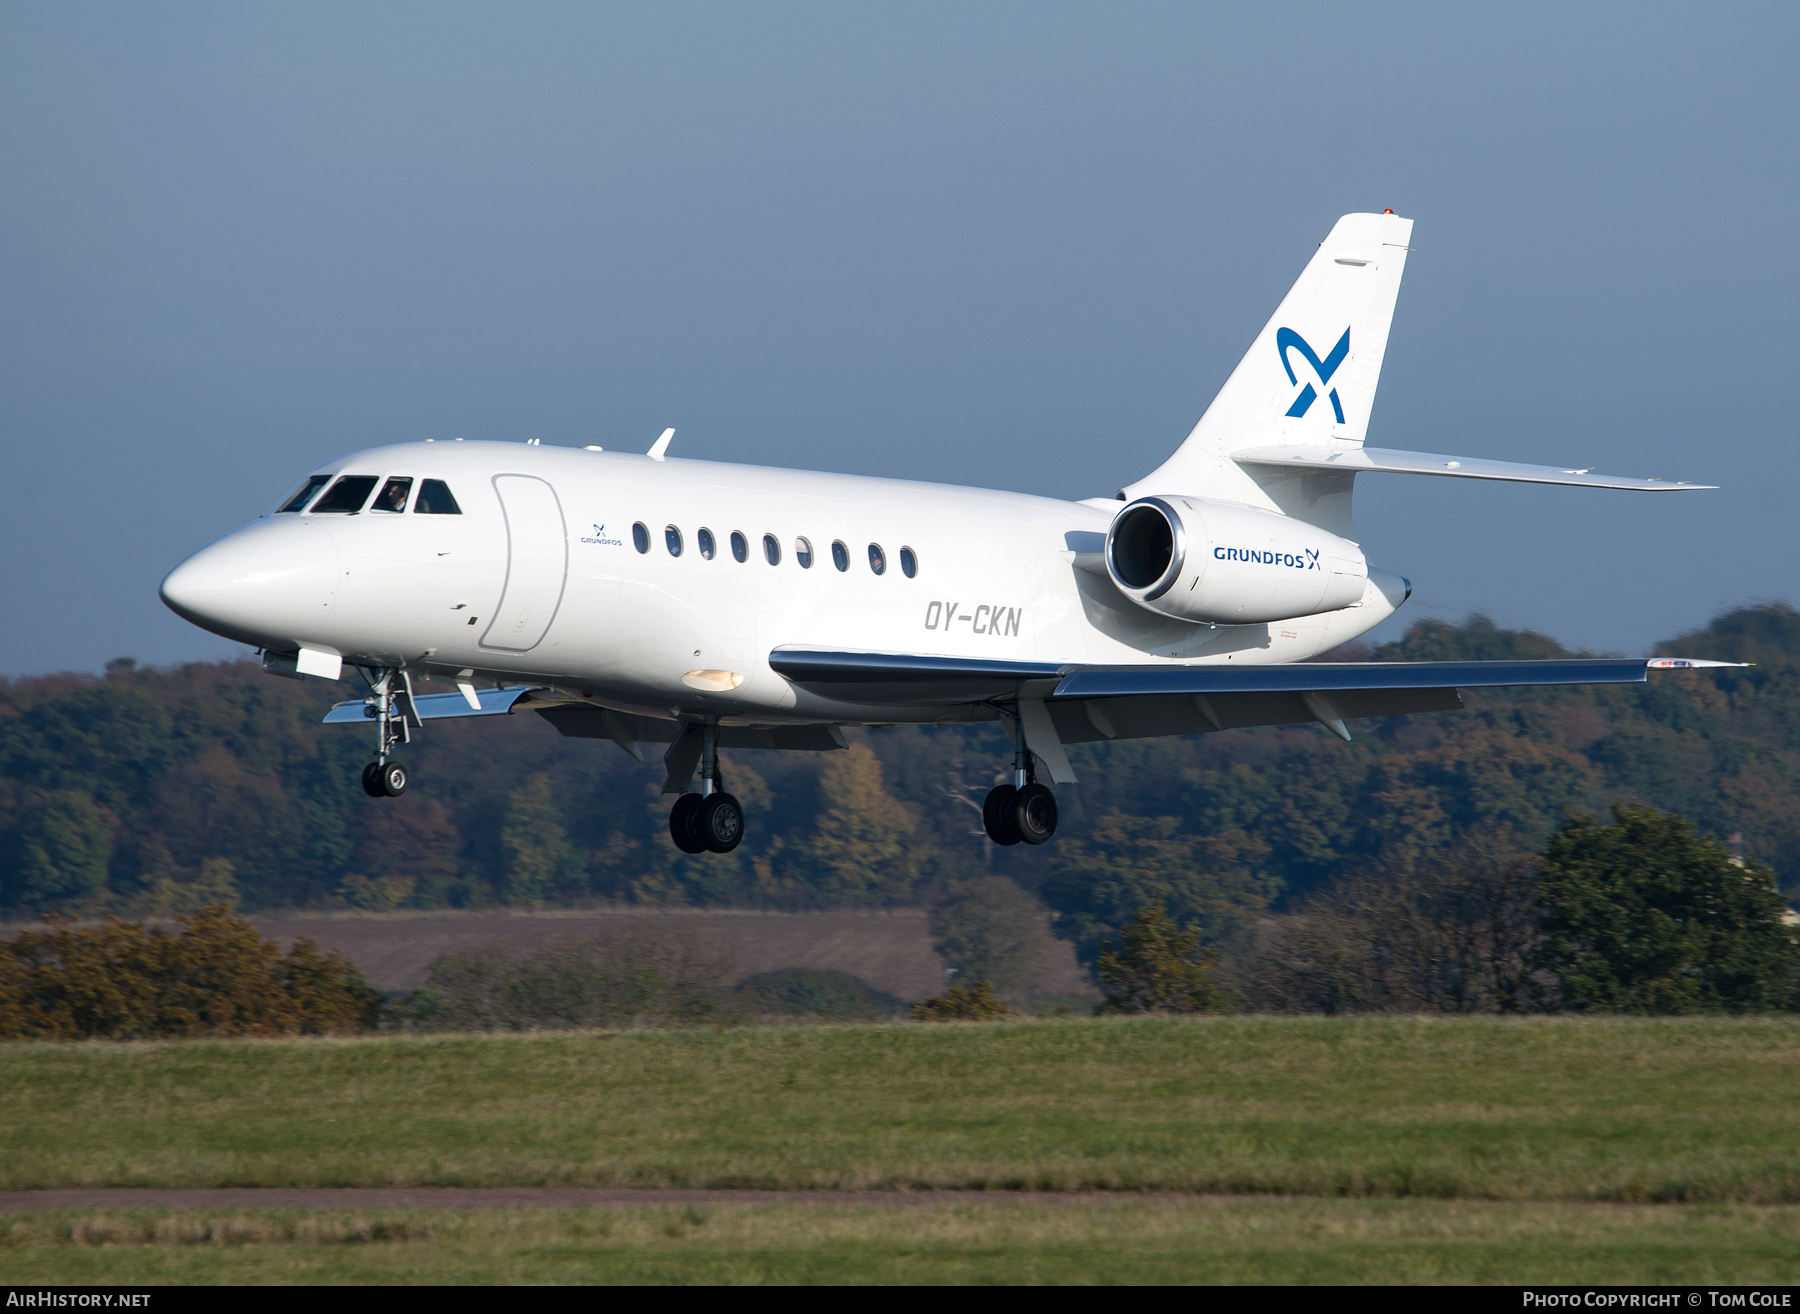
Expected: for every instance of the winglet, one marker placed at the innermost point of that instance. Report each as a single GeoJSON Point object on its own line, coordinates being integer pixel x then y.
{"type": "Point", "coordinates": [660, 446]}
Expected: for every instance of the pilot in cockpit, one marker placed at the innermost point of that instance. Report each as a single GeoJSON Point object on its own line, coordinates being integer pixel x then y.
{"type": "Point", "coordinates": [393, 496]}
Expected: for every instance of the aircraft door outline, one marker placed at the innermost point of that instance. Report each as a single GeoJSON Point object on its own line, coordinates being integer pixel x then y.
{"type": "Point", "coordinates": [537, 563]}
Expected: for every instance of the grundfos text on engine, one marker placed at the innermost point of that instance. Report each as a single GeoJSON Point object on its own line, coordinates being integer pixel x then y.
{"type": "Point", "coordinates": [1203, 560]}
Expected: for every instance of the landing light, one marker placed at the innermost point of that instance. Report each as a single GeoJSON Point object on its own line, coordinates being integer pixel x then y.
{"type": "Point", "coordinates": [712, 681]}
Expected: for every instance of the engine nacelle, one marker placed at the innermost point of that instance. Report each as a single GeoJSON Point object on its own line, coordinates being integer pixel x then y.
{"type": "Point", "coordinates": [1200, 560]}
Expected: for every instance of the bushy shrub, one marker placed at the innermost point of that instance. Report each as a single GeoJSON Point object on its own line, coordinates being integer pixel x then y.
{"type": "Point", "coordinates": [974, 1003]}
{"type": "Point", "coordinates": [1451, 933]}
{"type": "Point", "coordinates": [124, 980]}
{"type": "Point", "coordinates": [813, 992]}
{"type": "Point", "coordinates": [1126, 863]}
{"type": "Point", "coordinates": [1645, 916]}
{"type": "Point", "coordinates": [989, 927]}
{"type": "Point", "coordinates": [614, 981]}
{"type": "Point", "coordinates": [1159, 967]}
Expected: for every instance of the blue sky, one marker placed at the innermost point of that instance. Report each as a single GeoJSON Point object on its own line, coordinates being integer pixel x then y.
{"type": "Point", "coordinates": [1010, 245]}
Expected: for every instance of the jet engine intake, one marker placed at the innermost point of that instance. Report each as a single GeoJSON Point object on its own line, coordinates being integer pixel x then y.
{"type": "Point", "coordinates": [1221, 562]}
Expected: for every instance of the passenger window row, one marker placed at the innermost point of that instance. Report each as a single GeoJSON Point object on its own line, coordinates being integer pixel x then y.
{"type": "Point", "coordinates": [349, 494]}
{"type": "Point", "coordinates": [771, 549]}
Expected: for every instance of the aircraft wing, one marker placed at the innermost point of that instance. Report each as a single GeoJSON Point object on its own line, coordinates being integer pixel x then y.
{"type": "Point", "coordinates": [432, 707]}
{"type": "Point", "coordinates": [1088, 703]}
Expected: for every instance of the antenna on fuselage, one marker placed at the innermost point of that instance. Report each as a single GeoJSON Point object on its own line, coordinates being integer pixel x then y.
{"type": "Point", "coordinates": [661, 445]}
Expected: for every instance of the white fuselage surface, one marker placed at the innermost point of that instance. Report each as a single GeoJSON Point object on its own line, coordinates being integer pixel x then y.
{"type": "Point", "coordinates": [538, 578]}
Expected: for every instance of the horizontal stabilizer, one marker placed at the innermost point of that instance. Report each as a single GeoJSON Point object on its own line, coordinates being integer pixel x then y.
{"type": "Point", "coordinates": [1385, 460]}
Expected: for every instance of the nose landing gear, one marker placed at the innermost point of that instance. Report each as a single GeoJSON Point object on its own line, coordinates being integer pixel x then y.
{"type": "Point", "coordinates": [392, 711]}
{"type": "Point", "coordinates": [1021, 812]}
{"type": "Point", "coordinates": [712, 820]}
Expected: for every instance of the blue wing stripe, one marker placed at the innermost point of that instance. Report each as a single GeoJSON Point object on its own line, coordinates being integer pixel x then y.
{"type": "Point", "coordinates": [862, 667]}
{"type": "Point", "coordinates": [1320, 677]}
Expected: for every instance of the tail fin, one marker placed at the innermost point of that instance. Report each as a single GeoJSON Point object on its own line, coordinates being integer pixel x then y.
{"type": "Point", "coordinates": [1309, 378]}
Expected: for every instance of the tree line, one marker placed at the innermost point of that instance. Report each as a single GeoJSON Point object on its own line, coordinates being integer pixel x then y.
{"type": "Point", "coordinates": [1642, 916]}
{"type": "Point", "coordinates": [153, 793]}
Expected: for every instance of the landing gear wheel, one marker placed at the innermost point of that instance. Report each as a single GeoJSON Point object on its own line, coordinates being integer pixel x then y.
{"type": "Point", "coordinates": [681, 824]}
{"type": "Point", "coordinates": [1034, 814]}
{"type": "Point", "coordinates": [998, 817]}
{"type": "Point", "coordinates": [393, 779]}
{"type": "Point", "coordinates": [719, 822]}
{"type": "Point", "coordinates": [371, 781]}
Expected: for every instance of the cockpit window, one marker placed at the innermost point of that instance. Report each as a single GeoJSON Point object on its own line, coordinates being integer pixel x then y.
{"type": "Point", "coordinates": [392, 496]}
{"type": "Point", "coordinates": [347, 494]}
{"type": "Point", "coordinates": [435, 500]}
{"type": "Point", "coordinates": [304, 493]}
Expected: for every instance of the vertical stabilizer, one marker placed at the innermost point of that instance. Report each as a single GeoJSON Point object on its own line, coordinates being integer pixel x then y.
{"type": "Point", "coordinates": [1309, 378]}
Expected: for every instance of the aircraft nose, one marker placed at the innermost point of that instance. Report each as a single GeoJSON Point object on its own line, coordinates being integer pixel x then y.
{"type": "Point", "coordinates": [267, 585]}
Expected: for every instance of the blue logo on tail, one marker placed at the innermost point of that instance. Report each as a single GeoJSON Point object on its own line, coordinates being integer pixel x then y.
{"type": "Point", "coordinates": [1284, 340]}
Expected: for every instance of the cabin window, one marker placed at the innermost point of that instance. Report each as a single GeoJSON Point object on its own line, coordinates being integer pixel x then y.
{"type": "Point", "coordinates": [803, 553]}
{"type": "Point", "coordinates": [704, 541]}
{"type": "Point", "coordinates": [393, 495]}
{"type": "Point", "coordinates": [304, 493]}
{"type": "Point", "coordinates": [435, 500]}
{"type": "Point", "coordinates": [347, 494]}
{"type": "Point", "coordinates": [840, 555]}
{"type": "Point", "coordinates": [772, 549]}
{"type": "Point", "coordinates": [877, 559]}
{"type": "Point", "coordinates": [909, 564]}
{"type": "Point", "coordinates": [640, 537]}
{"type": "Point", "coordinates": [740, 546]}
{"type": "Point", "coordinates": [672, 540]}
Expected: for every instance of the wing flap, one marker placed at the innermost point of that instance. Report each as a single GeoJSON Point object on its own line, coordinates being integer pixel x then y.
{"type": "Point", "coordinates": [1147, 716]}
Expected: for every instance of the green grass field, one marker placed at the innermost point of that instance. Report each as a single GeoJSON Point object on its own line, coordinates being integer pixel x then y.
{"type": "Point", "coordinates": [1680, 1110]}
{"type": "Point", "coordinates": [1457, 1149]}
{"type": "Point", "coordinates": [1333, 1241]}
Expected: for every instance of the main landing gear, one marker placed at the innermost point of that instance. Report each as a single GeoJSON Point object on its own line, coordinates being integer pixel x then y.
{"type": "Point", "coordinates": [1024, 811]}
{"type": "Point", "coordinates": [389, 705]}
{"type": "Point", "coordinates": [712, 820]}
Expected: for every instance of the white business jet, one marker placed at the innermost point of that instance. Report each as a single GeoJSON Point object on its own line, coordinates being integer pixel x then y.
{"type": "Point", "coordinates": [651, 600]}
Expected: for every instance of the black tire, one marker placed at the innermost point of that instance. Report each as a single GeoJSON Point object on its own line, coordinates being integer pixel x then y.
{"type": "Point", "coordinates": [394, 779]}
{"type": "Point", "coordinates": [1034, 814]}
{"type": "Point", "coordinates": [681, 824]}
{"type": "Point", "coordinates": [719, 821]}
{"type": "Point", "coordinates": [998, 818]}
{"type": "Point", "coordinates": [371, 781]}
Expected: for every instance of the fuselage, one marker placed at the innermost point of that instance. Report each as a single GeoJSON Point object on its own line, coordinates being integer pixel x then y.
{"type": "Point", "coordinates": [590, 572]}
